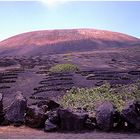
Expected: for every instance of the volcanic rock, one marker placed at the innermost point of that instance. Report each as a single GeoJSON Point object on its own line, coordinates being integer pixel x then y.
{"type": "Point", "coordinates": [1, 109]}
{"type": "Point", "coordinates": [15, 113]}
{"type": "Point", "coordinates": [49, 126]}
{"type": "Point", "coordinates": [131, 114]}
{"type": "Point", "coordinates": [53, 117]}
{"type": "Point", "coordinates": [90, 124]}
{"type": "Point", "coordinates": [104, 116]}
{"type": "Point", "coordinates": [50, 103]}
{"type": "Point", "coordinates": [35, 117]}
{"type": "Point", "coordinates": [71, 121]}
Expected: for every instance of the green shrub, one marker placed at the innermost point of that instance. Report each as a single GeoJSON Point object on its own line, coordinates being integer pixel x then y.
{"type": "Point", "coordinates": [86, 98]}
{"type": "Point", "coordinates": [63, 68]}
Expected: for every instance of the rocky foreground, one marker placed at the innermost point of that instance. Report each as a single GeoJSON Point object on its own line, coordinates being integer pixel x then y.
{"type": "Point", "coordinates": [50, 116]}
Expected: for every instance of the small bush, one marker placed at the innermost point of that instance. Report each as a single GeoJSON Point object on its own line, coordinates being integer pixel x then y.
{"type": "Point", "coordinates": [63, 68]}
{"type": "Point", "coordinates": [86, 98]}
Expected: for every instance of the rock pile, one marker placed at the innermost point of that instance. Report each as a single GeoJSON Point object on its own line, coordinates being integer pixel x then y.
{"type": "Point", "coordinates": [50, 116]}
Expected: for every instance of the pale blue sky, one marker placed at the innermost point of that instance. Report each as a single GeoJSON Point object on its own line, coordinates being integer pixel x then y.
{"type": "Point", "coordinates": [19, 17]}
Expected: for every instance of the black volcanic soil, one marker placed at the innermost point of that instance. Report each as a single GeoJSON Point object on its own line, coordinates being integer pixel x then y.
{"type": "Point", "coordinates": [29, 74]}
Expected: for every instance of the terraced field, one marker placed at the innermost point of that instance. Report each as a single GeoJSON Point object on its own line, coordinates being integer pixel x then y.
{"type": "Point", "coordinates": [31, 74]}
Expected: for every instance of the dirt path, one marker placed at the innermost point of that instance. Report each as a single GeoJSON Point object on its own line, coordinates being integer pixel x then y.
{"type": "Point", "coordinates": [10, 132]}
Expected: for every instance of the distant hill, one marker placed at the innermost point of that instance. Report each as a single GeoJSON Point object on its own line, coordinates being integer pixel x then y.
{"type": "Point", "coordinates": [65, 41]}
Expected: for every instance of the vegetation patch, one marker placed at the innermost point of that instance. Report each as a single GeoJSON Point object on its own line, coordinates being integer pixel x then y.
{"type": "Point", "coordinates": [87, 98]}
{"type": "Point", "coordinates": [63, 68]}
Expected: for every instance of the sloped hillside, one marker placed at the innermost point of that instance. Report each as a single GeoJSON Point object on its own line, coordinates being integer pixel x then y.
{"type": "Point", "coordinates": [64, 41]}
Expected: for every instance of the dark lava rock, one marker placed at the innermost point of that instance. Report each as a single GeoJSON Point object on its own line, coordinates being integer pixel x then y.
{"type": "Point", "coordinates": [104, 116]}
{"type": "Point", "coordinates": [35, 117]}
{"type": "Point", "coordinates": [50, 103]}
{"type": "Point", "coordinates": [49, 126]}
{"type": "Point", "coordinates": [131, 113]}
{"type": "Point", "coordinates": [1, 109]}
{"type": "Point", "coordinates": [53, 117]}
{"type": "Point", "coordinates": [119, 122]}
{"type": "Point", "coordinates": [138, 106]}
{"type": "Point", "coordinates": [15, 113]}
{"type": "Point", "coordinates": [53, 121]}
{"type": "Point", "coordinates": [90, 124]}
{"type": "Point", "coordinates": [70, 121]}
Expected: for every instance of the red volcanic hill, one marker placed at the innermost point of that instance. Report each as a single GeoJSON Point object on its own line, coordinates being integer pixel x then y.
{"type": "Point", "coordinates": [65, 41]}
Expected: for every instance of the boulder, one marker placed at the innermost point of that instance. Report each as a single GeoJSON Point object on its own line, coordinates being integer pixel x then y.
{"type": "Point", "coordinates": [70, 121]}
{"type": "Point", "coordinates": [35, 117]}
{"type": "Point", "coordinates": [90, 123]}
{"type": "Point", "coordinates": [50, 103]}
{"type": "Point", "coordinates": [53, 121]}
{"type": "Point", "coordinates": [104, 116]}
{"type": "Point", "coordinates": [119, 122]}
{"type": "Point", "coordinates": [131, 114]}
{"type": "Point", "coordinates": [49, 126]}
{"type": "Point", "coordinates": [53, 117]}
{"type": "Point", "coordinates": [1, 109]}
{"type": "Point", "coordinates": [15, 113]}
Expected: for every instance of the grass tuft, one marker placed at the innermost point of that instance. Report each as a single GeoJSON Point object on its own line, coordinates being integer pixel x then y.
{"type": "Point", "coordinates": [63, 68]}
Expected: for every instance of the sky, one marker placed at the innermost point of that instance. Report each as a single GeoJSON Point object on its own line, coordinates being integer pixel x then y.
{"type": "Point", "coordinates": [23, 16]}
